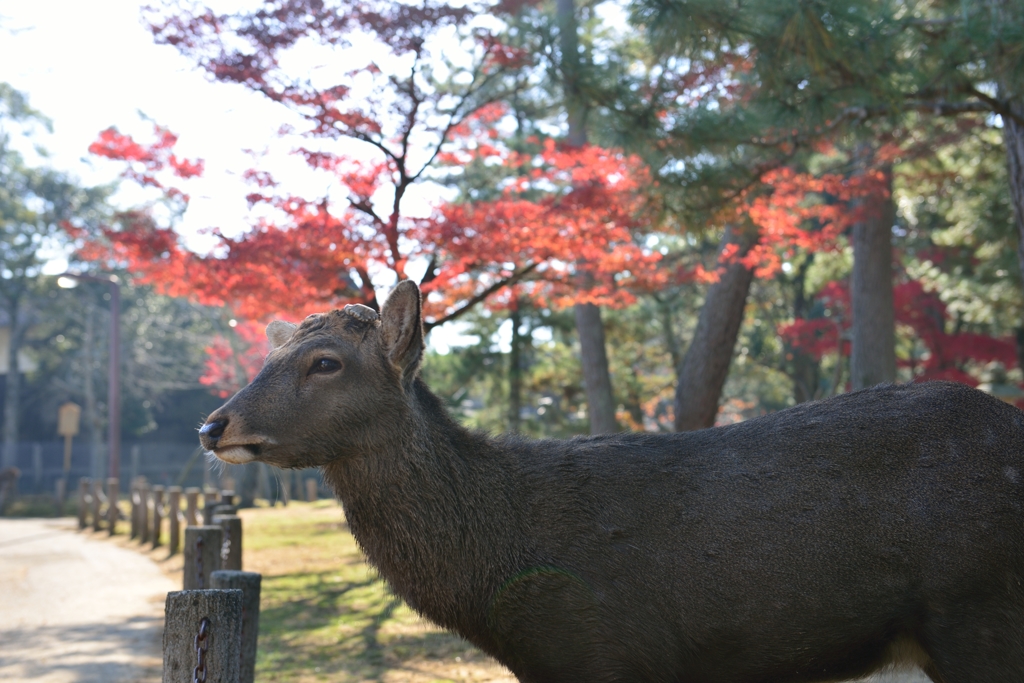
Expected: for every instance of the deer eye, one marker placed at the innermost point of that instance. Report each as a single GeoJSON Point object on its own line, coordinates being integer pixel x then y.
{"type": "Point", "coordinates": [324, 365]}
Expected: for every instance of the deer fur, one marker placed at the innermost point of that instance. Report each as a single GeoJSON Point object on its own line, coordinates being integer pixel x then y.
{"type": "Point", "coordinates": [821, 543]}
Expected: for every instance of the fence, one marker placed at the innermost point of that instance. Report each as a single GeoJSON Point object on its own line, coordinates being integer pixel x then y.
{"type": "Point", "coordinates": [41, 465]}
{"type": "Point", "coordinates": [211, 626]}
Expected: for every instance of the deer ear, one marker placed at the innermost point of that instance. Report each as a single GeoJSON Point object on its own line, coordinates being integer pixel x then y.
{"type": "Point", "coordinates": [402, 329]}
{"type": "Point", "coordinates": [279, 332]}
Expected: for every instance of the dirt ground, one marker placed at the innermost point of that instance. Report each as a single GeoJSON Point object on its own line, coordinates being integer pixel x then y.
{"type": "Point", "coordinates": [76, 610]}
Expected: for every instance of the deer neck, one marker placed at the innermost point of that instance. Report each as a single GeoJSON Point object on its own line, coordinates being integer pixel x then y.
{"type": "Point", "coordinates": [431, 506]}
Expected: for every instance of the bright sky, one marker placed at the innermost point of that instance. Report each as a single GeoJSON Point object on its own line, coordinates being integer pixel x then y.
{"type": "Point", "coordinates": [90, 65]}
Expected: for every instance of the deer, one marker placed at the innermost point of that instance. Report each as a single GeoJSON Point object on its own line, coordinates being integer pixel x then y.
{"type": "Point", "coordinates": [875, 529]}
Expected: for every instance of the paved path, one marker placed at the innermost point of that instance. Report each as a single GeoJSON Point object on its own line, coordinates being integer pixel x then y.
{"type": "Point", "coordinates": [75, 609]}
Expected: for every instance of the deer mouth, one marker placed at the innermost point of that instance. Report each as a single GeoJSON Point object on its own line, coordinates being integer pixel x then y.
{"type": "Point", "coordinates": [237, 454]}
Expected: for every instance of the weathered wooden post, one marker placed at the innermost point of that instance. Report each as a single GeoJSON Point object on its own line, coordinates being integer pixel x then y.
{"type": "Point", "coordinates": [144, 496]}
{"type": "Point", "coordinates": [191, 506]}
{"type": "Point", "coordinates": [202, 555]}
{"type": "Point", "coordinates": [97, 504]}
{"type": "Point", "coordinates": [113, 512]}
{"type": "Point", "coordinates": [158, 515]}
{"type": "Point", "coordinates": [227, 497]}
{"type": "Point", "coordinates": [133, 496]}
{"type": "Point", "coordinates": [222, 510]}
{"type": "Point", "coordinates": [311, 490]}
{"type": "Point", "coordinates": [174, 518]}
{"type": "Point", "coordinates": [203, 636]}
{"type": "Point", "coordinates": [231, 546]}
{"type": "Point", "coordinates": [139, 506]}
{"type": "Point", "coordinates": [211, 499]}
{"type": "Point", "coordinates": [249, 584]}
{"type": "Point", "coordinates": [60, 494]}
{"type": "Point", "coordinates": [84, 500]}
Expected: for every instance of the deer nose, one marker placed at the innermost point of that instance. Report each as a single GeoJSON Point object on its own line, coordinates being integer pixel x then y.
{"type": "Point", "coordinates": [211, 432]}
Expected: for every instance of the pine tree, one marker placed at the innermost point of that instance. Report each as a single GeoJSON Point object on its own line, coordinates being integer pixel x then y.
{"type": "Point", "coordinates": [853, 72]}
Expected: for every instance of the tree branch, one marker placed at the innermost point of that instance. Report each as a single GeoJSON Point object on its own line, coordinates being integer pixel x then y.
{"type": "Point", "coordinates": [507, 282]}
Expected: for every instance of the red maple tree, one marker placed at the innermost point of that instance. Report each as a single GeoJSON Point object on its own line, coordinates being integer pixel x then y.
{"type": "Point", "coordinates": [309, 253]}
{"type": "Point", "coordinates": [946, 355]}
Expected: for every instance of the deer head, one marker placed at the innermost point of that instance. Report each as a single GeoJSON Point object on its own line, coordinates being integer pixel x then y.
{"type": "Point", "coordinates": [331, 386]}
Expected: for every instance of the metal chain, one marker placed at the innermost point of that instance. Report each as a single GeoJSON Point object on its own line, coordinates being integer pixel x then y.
{"type": "Point", "coordinates": [225, 547]}
{"type": "Point", "coordinates": [199, 673]}
{"type": "Point", "coordinates": [199, 563]}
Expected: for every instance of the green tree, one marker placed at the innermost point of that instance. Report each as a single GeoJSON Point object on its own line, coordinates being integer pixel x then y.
{"type": "Point", "coordinates": [33, 203]}
{"type": "Point", "coordinates": [855, 72]}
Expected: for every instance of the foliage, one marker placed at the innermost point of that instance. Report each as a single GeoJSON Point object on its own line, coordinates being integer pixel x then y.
{"type": "Point", "coordinates": [705, 114]}
{"type": "Point", "coordinates": [413, 116]}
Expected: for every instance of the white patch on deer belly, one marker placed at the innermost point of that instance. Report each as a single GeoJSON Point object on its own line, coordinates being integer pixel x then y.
{"type": "Point", "coordinates": [235, 455]}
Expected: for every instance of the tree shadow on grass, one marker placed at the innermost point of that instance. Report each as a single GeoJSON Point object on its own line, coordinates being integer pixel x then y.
{"type": "Point", "coordinates": [320, 621]}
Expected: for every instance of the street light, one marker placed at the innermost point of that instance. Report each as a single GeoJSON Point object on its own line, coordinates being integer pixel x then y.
{"type": "Point", "coordinates": [71, 280]}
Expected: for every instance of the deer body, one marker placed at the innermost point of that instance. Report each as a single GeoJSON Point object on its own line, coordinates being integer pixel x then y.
{"type": "Point", "coordinates": [815, 544]}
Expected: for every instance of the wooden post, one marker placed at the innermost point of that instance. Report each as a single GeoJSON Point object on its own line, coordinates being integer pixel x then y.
{"type": "Point", "coordinates": [97, 502]}
{"type": "Point", "coordinates": [231, 547]}
{"type": "Point", "coordinates": [211, 499]}
{"type": "Point", "coordinates": [37, 467]}
{"type": "Point", "coordinates": [249, 583]}
{"type": "Point", "coordinates": [227, 497]}
{"type": "Point", "coordinates": [113, 512]}
{"type": "Point", "coordinates": [174, 518]}
{"type": "Point", "coordinates": [133, 495]}
{"type": "Point", "coordinates": [202, 555]}
{"type": "Point", "coordinates": [209, 621]}
{"type": "Point", "coordinates": [136, 452]}
{"type": "Point", "coordinates": [191, 506]}
{"type": "Point", "coordinates": [83, 502]}
{"type": "Point", "coordinates": [158, 515]}
{"type": "Point", "coordinates": [61, 494]}
{"type": "Point", "coordinates": [141, 514]}
{"type": "Point", "coordinates": [221, 510]}
{"type": "Point", "coordinates": [144, 513]}
{"type": "Point", "coordinates": [311, 490]}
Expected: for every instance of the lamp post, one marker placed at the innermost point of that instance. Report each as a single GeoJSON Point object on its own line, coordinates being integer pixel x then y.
{"type": "Point", "coordinates": [68, 281]}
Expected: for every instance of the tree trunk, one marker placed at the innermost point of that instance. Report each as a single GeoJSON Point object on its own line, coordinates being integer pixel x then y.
{"type": "Point", "coordinates": [806, 372]}
{"type": "Point", "coordinates": [515, 372]}
{"type": "Point", "coordinates": [91, 410]}
{"type": "Point", "coordinates": [593, 355]}
{"type": "Point", "coordinates": [1013, 138]}
{"type": "Point", "coordinates": [706, 363]}
{"type": "Point", "coordinates": [873, 353]}
{"type": "Point", "coordinates": [594, 359]}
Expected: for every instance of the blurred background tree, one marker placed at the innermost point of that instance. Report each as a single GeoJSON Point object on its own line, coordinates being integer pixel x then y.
{"type": "Point", "coordinates": [655, 215]}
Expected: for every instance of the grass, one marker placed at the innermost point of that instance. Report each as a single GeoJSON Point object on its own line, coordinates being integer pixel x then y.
{"type": "Point", "coordinates": [327, 616]}
{"type": "Point", "coordinates": [28, 505]}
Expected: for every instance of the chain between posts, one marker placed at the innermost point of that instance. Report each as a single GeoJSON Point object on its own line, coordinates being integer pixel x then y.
{"type": "Point", "coordinates": [225, 547]}
{"type": "Point", "coordinates": [199, 672]}
{"type": "Point", "coordinates": [199, 563]}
